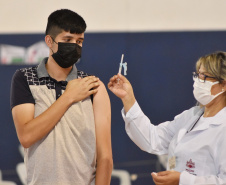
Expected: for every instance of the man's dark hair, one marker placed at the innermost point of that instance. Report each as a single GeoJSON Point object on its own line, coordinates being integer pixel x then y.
{"type": "Point", "coordinates": [65, 20]}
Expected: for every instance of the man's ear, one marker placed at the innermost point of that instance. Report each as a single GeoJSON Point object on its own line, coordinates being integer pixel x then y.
{"type": "Point", "coordinates": [49, 41]}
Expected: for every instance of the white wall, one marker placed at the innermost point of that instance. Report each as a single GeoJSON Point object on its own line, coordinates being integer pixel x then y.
{"type": "Point", "coordinates": [30, 16]}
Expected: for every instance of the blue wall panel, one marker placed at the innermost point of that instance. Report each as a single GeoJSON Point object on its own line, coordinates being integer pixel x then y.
{"type": "Point", "coordinates": [160, 66]}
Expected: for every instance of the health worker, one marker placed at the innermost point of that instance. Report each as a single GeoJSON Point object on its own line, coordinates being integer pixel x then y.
{"type": "Point", "coordinates": [195, 140]}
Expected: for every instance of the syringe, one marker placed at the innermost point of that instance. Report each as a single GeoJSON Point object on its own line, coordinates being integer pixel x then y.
{"type": "Point", "coordinates": [120, 65]}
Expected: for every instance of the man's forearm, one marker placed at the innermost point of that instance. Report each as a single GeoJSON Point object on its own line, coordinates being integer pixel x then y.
{"type": "Point", "coordinates": [35, 129]}
{"type": "Point", "coordinates": [103, 172]}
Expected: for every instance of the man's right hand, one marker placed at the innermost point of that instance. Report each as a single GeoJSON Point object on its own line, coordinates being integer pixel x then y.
{"type": "Point", "coordinates": [30, 129]}
{"type": "Point", "coordinates": [81, 88]}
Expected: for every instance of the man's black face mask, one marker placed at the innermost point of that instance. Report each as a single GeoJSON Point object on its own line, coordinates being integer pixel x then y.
{"type": "Point", "coordinates": [67, 54]}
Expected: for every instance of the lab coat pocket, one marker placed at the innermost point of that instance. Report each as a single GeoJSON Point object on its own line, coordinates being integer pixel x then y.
{"type": "Point", "coordinates": [194, 164]}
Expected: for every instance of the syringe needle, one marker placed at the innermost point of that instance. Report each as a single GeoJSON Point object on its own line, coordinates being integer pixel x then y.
{"type": "Point", "coordinates": [120, 65]}
{"type": "Point", "coordinates": [122, 58]}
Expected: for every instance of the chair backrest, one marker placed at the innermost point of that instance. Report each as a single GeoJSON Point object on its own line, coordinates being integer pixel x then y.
{"type": "Point", "coordinates": [21, 171]}
{"type": "Point", "coordinates": [5, 182]}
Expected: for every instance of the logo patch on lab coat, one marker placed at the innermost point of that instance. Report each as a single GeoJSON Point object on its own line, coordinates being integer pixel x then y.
{"type": "Point", "coordinates": [190, 167]}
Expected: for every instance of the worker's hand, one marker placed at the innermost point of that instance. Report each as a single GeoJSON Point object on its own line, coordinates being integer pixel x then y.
{"type": "Point", "coordinates": [166, 178]}
{"type": "Point", "coordinates": [81, 88]}
{"type": "Point", "coordinates": [122, 88]}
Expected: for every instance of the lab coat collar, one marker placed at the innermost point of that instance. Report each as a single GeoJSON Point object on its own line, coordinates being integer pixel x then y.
{"type": "Point", "coordinates": [197, 112]}
{"type": "Point", "coordinates": [218, 119]}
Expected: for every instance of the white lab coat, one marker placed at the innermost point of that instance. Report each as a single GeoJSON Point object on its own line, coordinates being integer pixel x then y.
{"type": "Point", "coordinates": [200, 155]}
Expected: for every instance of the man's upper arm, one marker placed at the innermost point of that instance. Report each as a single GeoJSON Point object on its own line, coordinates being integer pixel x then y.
{"type": "Point", "coordinates": [102, 114]}
{"type": "Point", "coordinates": [20, 92]}
{"type": "Point", "coordinates": [21, 102]}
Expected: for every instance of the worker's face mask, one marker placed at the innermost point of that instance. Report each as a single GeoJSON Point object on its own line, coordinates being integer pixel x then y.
{"type": "Point", "coordinates": [67, 54]}
{"type": "Point", "coordinates": [202, 91]}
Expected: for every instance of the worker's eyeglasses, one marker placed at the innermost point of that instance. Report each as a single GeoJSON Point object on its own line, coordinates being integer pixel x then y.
{"type": "Point", "coordinates": [202, 77]}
